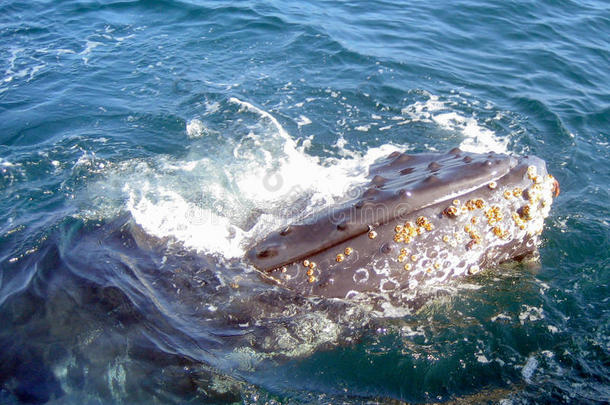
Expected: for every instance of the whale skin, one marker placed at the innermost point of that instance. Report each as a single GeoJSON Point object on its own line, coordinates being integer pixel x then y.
{"type": "Point", "coordinates": [421, 219]}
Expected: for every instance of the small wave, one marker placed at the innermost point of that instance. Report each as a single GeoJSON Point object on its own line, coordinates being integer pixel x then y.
{"type": "Point", "coordinates": [476, 138]}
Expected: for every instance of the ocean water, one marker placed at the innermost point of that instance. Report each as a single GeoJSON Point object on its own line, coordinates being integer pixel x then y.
{"type": "Point", "coordinates": [144, 145]}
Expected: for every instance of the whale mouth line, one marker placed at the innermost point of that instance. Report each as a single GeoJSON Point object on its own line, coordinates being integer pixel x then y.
{"type": "Point", "coordinates": [365, 230]}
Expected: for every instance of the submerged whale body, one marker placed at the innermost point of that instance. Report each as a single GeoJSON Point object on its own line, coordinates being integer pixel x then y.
{"type": "Point", "coordinates": [421, 219]}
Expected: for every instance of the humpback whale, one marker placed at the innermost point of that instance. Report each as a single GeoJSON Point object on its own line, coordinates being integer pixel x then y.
{"type": "Point", "coordinates": [420, 220]}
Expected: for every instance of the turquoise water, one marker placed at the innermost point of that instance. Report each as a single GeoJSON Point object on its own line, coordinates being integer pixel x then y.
{"type": "Point", "coordinates": [145, 144]}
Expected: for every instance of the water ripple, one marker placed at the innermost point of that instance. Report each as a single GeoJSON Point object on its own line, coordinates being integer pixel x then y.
{"type": "Point", "coordinates": [163, 113]}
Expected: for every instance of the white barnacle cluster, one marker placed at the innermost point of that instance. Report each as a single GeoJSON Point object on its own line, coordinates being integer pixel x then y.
{"type": "Point", "coordinates": [480, 227]}
{"type": "Point", "coordinates": [539, 195]}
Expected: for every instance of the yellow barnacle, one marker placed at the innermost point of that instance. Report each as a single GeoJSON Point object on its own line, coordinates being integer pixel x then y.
{"type": "Point", "coordinates": [403, 251]}
{"type": "Point", "coordinates": [437, 265]}
{"type": "Point", "coordinates": [493, 215]}
{"type": "Point", "coordinates": [507, 194]}
{"type": "Point", "coordinates": [525, 212]}
{"type": "Point", "coordinates": [311, 279]}
{"type": "Point", "coordinates": [310, 272]}
{"type": "Point", "coordinates": [306, 263]}
{"type": "Point", "coordinates": [421, 221]}
{"type": "Point", "coordinates": [532, 192]}
{"type": "Point", "coordinates": [372, 235]}
{"type": "Point", "coordinates": [492, 185]}
{"type": "Point", "coordinates": [398, 238]}
{"type": "Point", "coordinates": [429, 270]}
{"type": "Point", "coordinates": [470, 204]}
{"type": "Point", "coordinates": [312, 265]}
{"type": "Point", "coordinates": [398, 229]}
{"type": "Point", "coordinates": [446, 238]}
{"type": "Point", "coordinates": [456, 202]}
{"type": "Point", "coordinates": [531, 172]}
{"type": "Point", "coordinates": [402, 258]}
{"type": "Point", "coordinates": [517, 191]}
{"type": "Point", "coordinates": [348, 251]}
{"type": "Point", "coordinates": [473, 220]}
{"type": "Point", "coordinates": [419, 230]}
{"type": "Point", "coordinates": [407, 266]}
{"type": "Point", "coordinates": [479, 203]}
{"type": "Point", "coordinates": [340, 258]}
{"type": "Point", "coordinates": [428, 226]}
{"type": "Point", "coordinates": [467, 229]}
{"type": "Point", "coordinates": [451, 211]}
{"type": "Point", "coordinates": [414, 258]}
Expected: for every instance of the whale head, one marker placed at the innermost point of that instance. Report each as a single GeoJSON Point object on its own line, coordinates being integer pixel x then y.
{"type": "Point", "coordinates": [420, 219]}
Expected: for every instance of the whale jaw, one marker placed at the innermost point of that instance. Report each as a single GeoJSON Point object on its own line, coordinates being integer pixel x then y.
{"type": "Point", "coordinates": [421, 219]}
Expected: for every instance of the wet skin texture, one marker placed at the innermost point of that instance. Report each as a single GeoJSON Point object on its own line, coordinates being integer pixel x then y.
{"type": "Point", "coordinates": [420, 220]}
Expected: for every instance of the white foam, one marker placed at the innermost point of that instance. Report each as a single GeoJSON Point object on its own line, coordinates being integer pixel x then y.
{"type": "Point", "coordinates": [530, 314]}
{"type": "Point", "coordinates": [481, 358]}
{"type": "Point", "coordinates": [303, 120]}
{"type": "Point", "coordinates": [476, 138]}
{"type": "Point", "coordinates": [196, 227]}
{"type": "Point", "coordinates": [212, 107]}
{"type": "Point", "coordinates": [529, 368]}
{"type": "Point", "coordinates": [34, 70]}
{"type": "Point", "coordinates": [89, 46]}
{"type": "Point", "coordinates": [195, 129]}
{"type": "Point", "coordinates": [250, 107]}
{"type": "Point", "coordinates": [297, 172]}
{"type": "Point", "coordinates": [5, 163]}
{"type": "Point", "coordinates": [501, 316]}
{"type": "Point", "coordinates": [247, 184]}
{"type": "Point", "coordinates": [480, 139]}
{"type": "Point", "coordinates": [221, 202]}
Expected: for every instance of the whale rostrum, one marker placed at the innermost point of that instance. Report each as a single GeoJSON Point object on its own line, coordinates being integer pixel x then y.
{"type": "Point", "coordinates": [421, 219]}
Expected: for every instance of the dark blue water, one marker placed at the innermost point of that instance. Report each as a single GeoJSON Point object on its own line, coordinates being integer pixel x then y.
{"type": "Point", "coordinates": [137, 141]}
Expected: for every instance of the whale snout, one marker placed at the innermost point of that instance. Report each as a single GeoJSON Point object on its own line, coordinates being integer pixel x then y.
{"type": "Point", "coordinates": [422, 219]}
